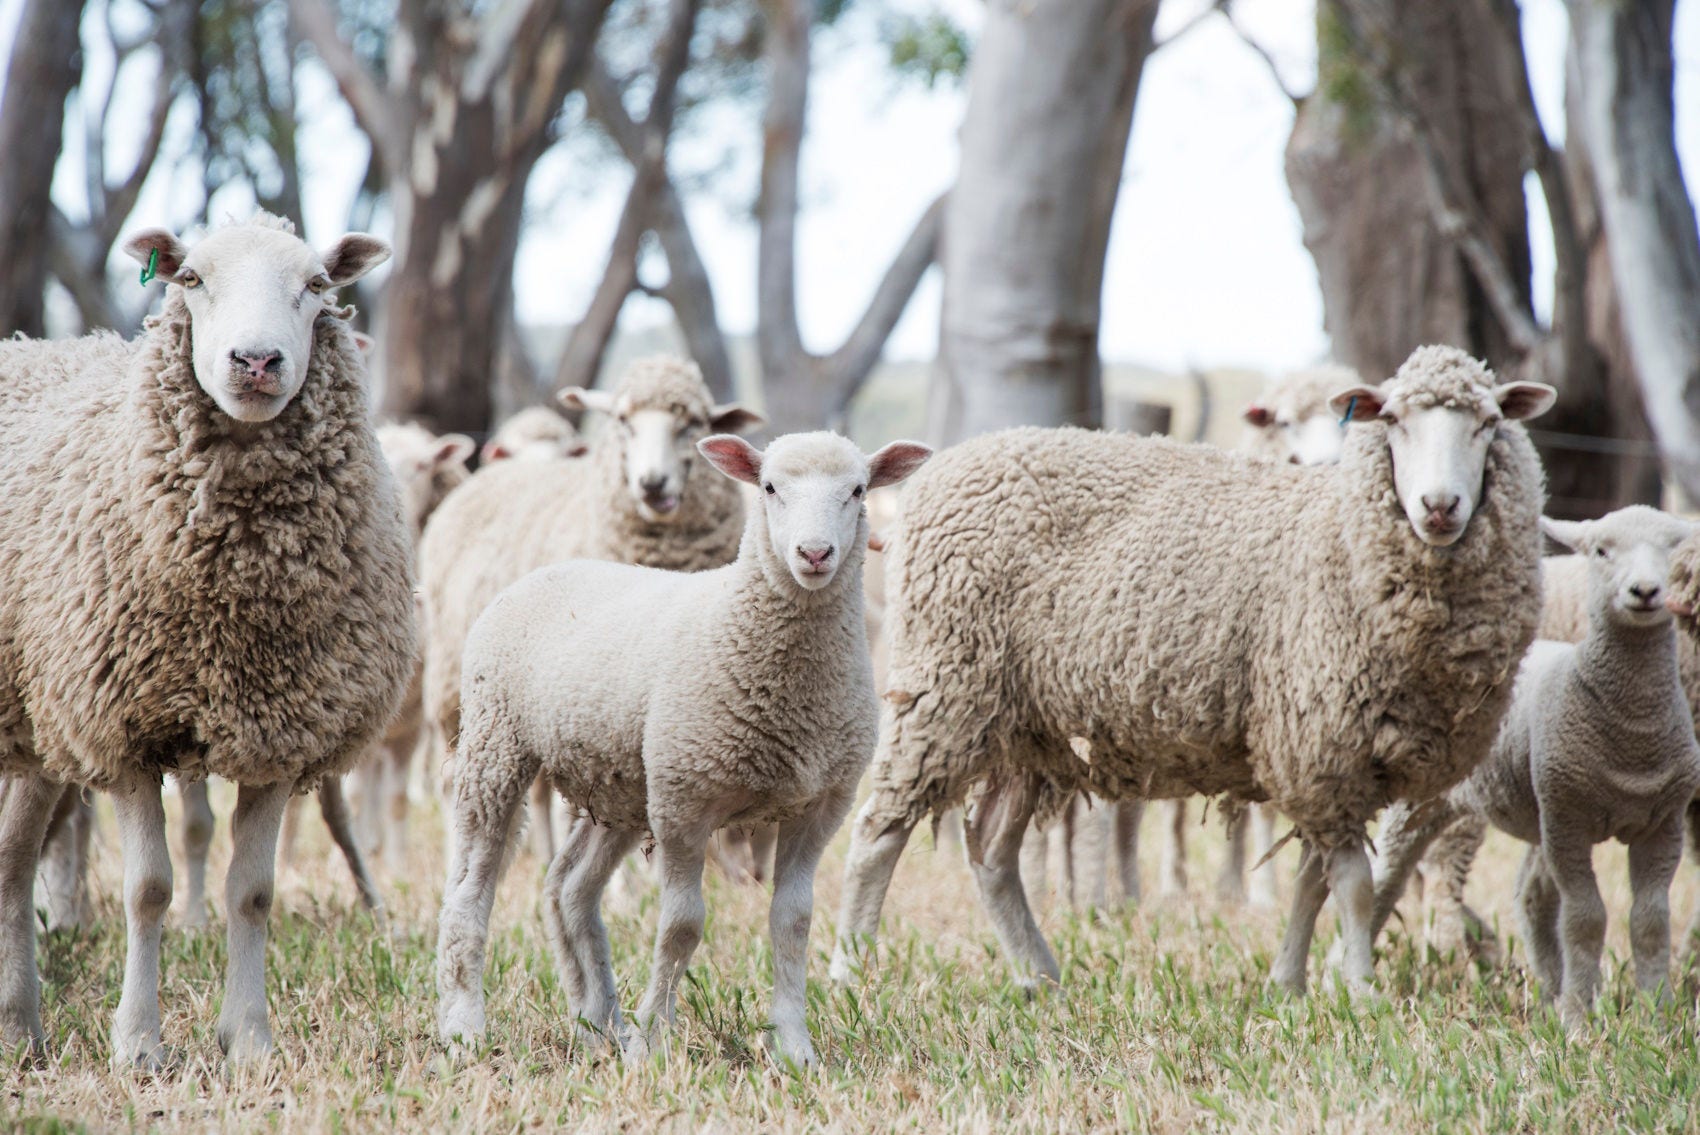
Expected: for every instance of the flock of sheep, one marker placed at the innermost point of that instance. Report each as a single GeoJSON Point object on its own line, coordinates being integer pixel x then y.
{"type": "Point", "coordinates": [208, 558]}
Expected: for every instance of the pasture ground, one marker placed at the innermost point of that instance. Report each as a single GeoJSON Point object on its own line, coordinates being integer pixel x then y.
{"type": "Point", "coordinates": [1162, 1022]}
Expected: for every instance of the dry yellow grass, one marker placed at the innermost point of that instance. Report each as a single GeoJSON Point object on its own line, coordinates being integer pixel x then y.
{"type": "Point", "coordinates": [1162, 1023]}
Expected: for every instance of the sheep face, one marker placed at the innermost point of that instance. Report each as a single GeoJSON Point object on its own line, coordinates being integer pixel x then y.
{"type": "Point", "coordinates": [536, 433]}
{"type": "Point", "coordinates": [415, 456]}
{"type": "Point", "coordinates": [1439, 446]}
{"type": "Point", "coordinates": [253, 293]}
{"type": "Point", "coordinates": [1628, 554]}
{"type": "Point", "coordinates": [814, 486]}
{"type": "Point", "coordinates": [1315, 439]}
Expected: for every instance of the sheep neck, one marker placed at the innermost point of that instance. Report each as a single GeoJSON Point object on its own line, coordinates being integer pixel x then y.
{"type": "Point", "coordinates": [1630, 669]}
{"type": "Point", "coordinates": [764, 582]}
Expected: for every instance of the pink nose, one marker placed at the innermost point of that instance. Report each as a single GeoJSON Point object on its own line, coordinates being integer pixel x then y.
{"type": "Point", "coordinates": [257, 362]}
{"type": "Point", "coordinates": [817, 557]}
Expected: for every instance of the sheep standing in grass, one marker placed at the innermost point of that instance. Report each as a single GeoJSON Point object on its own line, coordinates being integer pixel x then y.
{"type": "Point", "coordinates": [1599, 744]}
{"type": "Point", "coordinates": [1328, 639]}
{"type": "Point", "coordinates": [203, 570]}
{"type": "Point", "coordinates": [642, 496]}
{"type": "Point", "coordinates": [676, 704]}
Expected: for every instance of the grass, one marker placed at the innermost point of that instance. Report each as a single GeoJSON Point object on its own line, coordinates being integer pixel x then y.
{"type": "Point", "coordinates": [1162, 1022]}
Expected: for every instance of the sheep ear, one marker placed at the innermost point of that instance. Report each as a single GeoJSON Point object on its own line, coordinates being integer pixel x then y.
{"type": "Point", "coordinates": [452, 449]}
{"type": "Point", "coordinates": [1357, 403]}
{"type": "Point", "coordinates": [353, 256]}
{"type": "Point", "coordinates": [731, 418]}
{"type": "Point", "coordinates": [494, 451]}
{"type": "Point", "coordinates": [143, 246]}
{"type": "Point", "coordinates": [577, 449]}
{"type": "Point", "coordinates": [1259, 415]}
{"type": "Point", "coordinates": [895, 462]}
{"type": "Point", "coordinates": [733, 456]}
{"type": "Point", "coordinates": [578, 398]}
{"type": "Point", "coordinates": [1572, 534]}
{"type": "Point", "coordinates": [364, 343]}
{"type": "Point", "coordinates": [1521, 400]}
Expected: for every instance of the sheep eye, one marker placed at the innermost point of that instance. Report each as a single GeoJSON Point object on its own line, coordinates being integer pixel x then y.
{"type": "Point", "coordinates": [768, 488]}
{"type": "Point", "coordinates": [317, 284]}
{"type": "Point", "coordinates": [856, 492]}
{"type": "Point", "coordinates": [1600, 552]}
{"type": "Point", "coordinates": [189, 279]}
{"type": "Point", "coordinates": [1488, 426]}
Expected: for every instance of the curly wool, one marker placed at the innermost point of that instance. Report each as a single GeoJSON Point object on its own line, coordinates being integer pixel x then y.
{"type": "Point", "coordinates": [176, 595]}
{"type": "Point", "coordinates": [511, 518]}
{"type": "Point", "coordinates": [1139, 594]}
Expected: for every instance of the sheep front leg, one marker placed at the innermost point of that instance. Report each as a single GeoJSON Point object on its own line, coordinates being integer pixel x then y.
{"type": "Point", "coordinates": [197, 839]}
{"type": "Point", "coordinates": [874, 850]}
{"type": "Point", "coordinates": [147, 896]}
{"type": "Point", "coordinates": [1652, 866]}
{"type": "Point", "coordinates": [995, 829]}
{"type": "Point", "coordinates": [333, 806]}
{"type": "Point", "coordinates": [1171, 867]}
{"type": "Point", "coordinates": [1128, 815]}
{"type": "Point", "coordinates": [1310, 891]}
{"type": "Point", "coordinates": [26, 805]}
{"type": "Point", "coordinates": [798, 853]}
{"type": "Point", "coordinates": [1581, 918]}
{"type": "Point", "coordinates": [1230, 881]}
{"type": "Point", "coordinates": [681, 855]}
{"type": "Point", "coordinates": [1352, 884]}
{"type": "Point", "coordinates": [64, 865]}
{"type": "Point", "coordinates": [579, 874]}
{"type": "Point", "coordinates": [243, 1030]}
{"type": "Point", "coordinates": [1260, 836]}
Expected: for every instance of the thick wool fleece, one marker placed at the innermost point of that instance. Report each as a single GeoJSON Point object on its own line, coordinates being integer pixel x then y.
{"type": "Point", "coordinates": [183, 591]}
{"type": "Point", "coordinates": [513, 517]}
{"type": "Point", "coordinates": [1208, 622]}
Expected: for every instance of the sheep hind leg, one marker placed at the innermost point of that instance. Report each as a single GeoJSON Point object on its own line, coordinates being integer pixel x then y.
{"type": "Point", "coordinates": [64, 869]}
{"type": "Point", "coordinates": [1230, 881]}
{"type": "Point", "coordinates": [244, 1033]}
{"type": "Point", "coordinates": [1171, 868]}
{"type": "Point", "coordinates": [1261, 889]}
{"type": "Point", "coordinates": [1691, 951]}
{"type": "Point", "coordinates": [198, 824]}
{"type": "Point", "coordinates": [1128, 814]}
{"type": "Point", "coordinates": [1652, 866]}
{"type": "Point", "coordinates": [26, 806]}
{"type": "Point", "coordinates": [994, 830]}
{"type": "Point", "coordinates": [542, 822]}
{"type": "Point", "coordinates": [1537, 903]}
{"type": "Point", "coordinates": [1310, 891]}
{"type": "Point", "coordinates": [333, 806]}
{"type": "Point", "coordinates": [1352, 883]}
{"type": "Point", "coordinates": [579, 873]}
{"type": "Point", "coordinates": [875, 846]}
{"type": "Point", "coordinates": [147, 896]}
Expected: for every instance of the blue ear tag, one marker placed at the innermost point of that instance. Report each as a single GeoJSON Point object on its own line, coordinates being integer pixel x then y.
{"type": "Point", "coordinates": [1351, 404]}
{"type": "Point", "coordinates": [151, 270]}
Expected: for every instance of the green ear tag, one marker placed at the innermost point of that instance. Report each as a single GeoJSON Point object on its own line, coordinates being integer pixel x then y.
{"type": "Point", "coordinates": [151, 270]}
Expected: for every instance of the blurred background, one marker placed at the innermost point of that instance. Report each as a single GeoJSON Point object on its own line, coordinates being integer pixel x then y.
{"type": "Point", "coordinates": [917, 217]}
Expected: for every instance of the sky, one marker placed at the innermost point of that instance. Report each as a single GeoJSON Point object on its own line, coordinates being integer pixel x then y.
{"type": "Point", "coordinates": [1206, 266]}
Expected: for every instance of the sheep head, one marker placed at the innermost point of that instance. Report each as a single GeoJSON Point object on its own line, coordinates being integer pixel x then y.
{"type": "Point", "coordinates": [1629, 561]}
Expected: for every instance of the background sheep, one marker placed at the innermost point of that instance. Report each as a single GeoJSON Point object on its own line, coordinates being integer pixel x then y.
{"type": "Point", "coordinates": [204, 571]}
{"type": "Point", "coordinates": [1599, 744]}
{"type": "Point", "coordinates": [1048, 587]}
{"type": "Point", "coordinates": [642, 496]}
{"type": "Point", "coordinates": [536, 432]}
{"type": "Point", "coordinates": [675, 704]}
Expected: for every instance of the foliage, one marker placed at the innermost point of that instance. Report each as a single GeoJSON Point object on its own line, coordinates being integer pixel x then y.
{"type": "Point", "coordinates": [930, 48]}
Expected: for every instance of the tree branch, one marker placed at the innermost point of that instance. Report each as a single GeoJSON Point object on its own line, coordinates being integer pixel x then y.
{"type": "Point", "coordinates": [785, 48]}
{"type": "Point", "coordinates": [1261, 52]}
{"type": "Point", "coordinates": [117, 201]}
{"type": "Point", "coordinates": [371, 105]}
{"type": "Point", "coordinates": [581, 358]}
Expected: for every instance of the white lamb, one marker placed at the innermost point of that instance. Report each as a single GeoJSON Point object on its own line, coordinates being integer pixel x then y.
{"type": "Point", "coordinates": [536, 433]}
{"type": "Point", "coordinates": [676, 704]}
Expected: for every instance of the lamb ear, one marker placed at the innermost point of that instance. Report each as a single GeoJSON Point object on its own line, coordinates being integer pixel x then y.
{"type": "Point", "coordinates": [733, 456]}
{"type": "Point", "coordinates": [1259, 415]}
{"type": "Point", "coordinates": [1571, 534]}
{"type": "Point", "coordinates": [353, 256]}
{"type": "Point", "coordinates": [452, 449]}
{"type": "Point", "coordinates": [494, 451]}
{"type": "Point", "coordinates": [142, 246]}
{"type": "Point", "coordinates": [576, 449]}
{"type": "Point", "coordinates": [1357, 403]}
{"type": "Point", "coordinates": [578, 398]}
{"type": "Point", "coordinates": [895, 462]}
{"type": "Point", "coordinates": [731, 418]}
{"type": "Point", "coordinates": [1521, 400]}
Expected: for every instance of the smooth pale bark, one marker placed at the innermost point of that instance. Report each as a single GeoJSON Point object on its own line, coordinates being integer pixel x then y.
{"type": "Point", "coordinates": [1050, 107]}
{"type": "Point", "coordinates": [1622, 67]}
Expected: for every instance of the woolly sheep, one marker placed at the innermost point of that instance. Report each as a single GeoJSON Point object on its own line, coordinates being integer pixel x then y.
{"type": "Point", "coordinates": [676, 704]}
{"type": "Point", "coordinates": [1598, 744]}
{"type": "Point", "coordinates": [536, 433]}
{"type": "Point", "coordinates": [1056, 583]}
{"type": "Point", "coordinates": [641, 497]}
{"type": "Point", "coordinates": [204, 571]}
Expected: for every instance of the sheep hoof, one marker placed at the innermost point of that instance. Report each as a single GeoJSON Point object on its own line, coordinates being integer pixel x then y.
{"type": "Point", "coordinates": [795, 1054]}
{"type": "Point", "coordinates": [245, 1043]}
{"type": "Point", "coordinates": [149, 1059]}
{"type": "Point", "coordinates": [639, 1047]}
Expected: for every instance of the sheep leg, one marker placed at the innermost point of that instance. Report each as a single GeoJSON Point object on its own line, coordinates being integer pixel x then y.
{"type": "Point", "coordinates": [243, 1031]}
{"type": "Point", "coordinates": [1352, 883]}
{"type": "Point", "coordinates": [64, 866]}
{"type": "Point", "coordinates": [1088, 849]}
{"type": "Point", "coordinates": [873, 855]}
{"type": "Point", "coordinates": [147, 896]}
{"type": "Point", "coordinates": [1691, 952]}
{"type": "Point", "coordinates": [26, 806]}
{"type": "Point", "coordinates": [764, 844]}
{"type": "Point", "coordinates": [1128, 815]}
{"type": "Point", "coordinates": [333, 806]}
{"type": "Point", "coordinates": [396, 761]}
{"type": "Point", "coordinates": [1652, 866]}
{"type": "Point", "coordinates": [1537, 903]}
{"type": "Point", "coordinates": [1581, 918]}
{"type": "Point", "coordinates": [797, 855]}
{"type": "Point", "coordinates": [198, 823]}
{"type": "Point", "coordinates": [573, 889]}
{"type": "Point", "coordinates": [288, 833]}
{"type": "Point", "coordinates": [1059, 857]}
{"type": "Point", "coordinates": [1453, 925]}
{"type": "Point", "coordinates": [680, 855]}
{"type": "Point", "coordinates": [729, 850]}
{"type": "Point", "coordinates": [1405, 835]}
{"type": "Point", "coordinates": [1261, 892]}
{"type": "Point", "coordinates": [1230, 882]}
{"type": "Point", "coordinates": [1171, 868]}
{"type": "Point", "coordinates": [542, 822]}
{"type": "Point", "coordinates": [996, 824]}
{"type": "Point", "coordinates": [487, 812]}
{"type": "Point", "coordinates": [1310, 891]}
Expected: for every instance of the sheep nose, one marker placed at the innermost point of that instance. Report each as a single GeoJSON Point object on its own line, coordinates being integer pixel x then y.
{"type": "Point", "coordinates": [257, 362]}
{"type": "Point", "coordinates": [652, 483]}
{"type": "Point", "coordinates": [816, 554]}
{"type": "Point", "coordinates": [1441, 504]}
{"type": "Point", "coordinates": [1647, 593]}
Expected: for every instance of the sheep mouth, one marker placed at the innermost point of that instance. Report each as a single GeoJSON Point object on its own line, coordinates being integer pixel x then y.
{"type": "Point", "coordinates": [661, 504]}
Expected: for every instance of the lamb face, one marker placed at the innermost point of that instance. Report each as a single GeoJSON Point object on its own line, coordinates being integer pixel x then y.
{"type": "Point", "coordinates": [1439, 446]}
{"type": "Point", "coordinates": [1628, 555]}
{"type": "Point", "coordinates": [813, 487]}
{"type": "Point", "coordinates": [253, 295]}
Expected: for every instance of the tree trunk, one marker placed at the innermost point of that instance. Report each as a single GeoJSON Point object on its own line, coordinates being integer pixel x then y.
{"type": "Point", "coordinates": [1621, 62]}
{"type": "Point", "coordinates": [1050, 106]}
{"type": "Point", "coordinates": [46, 63]}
